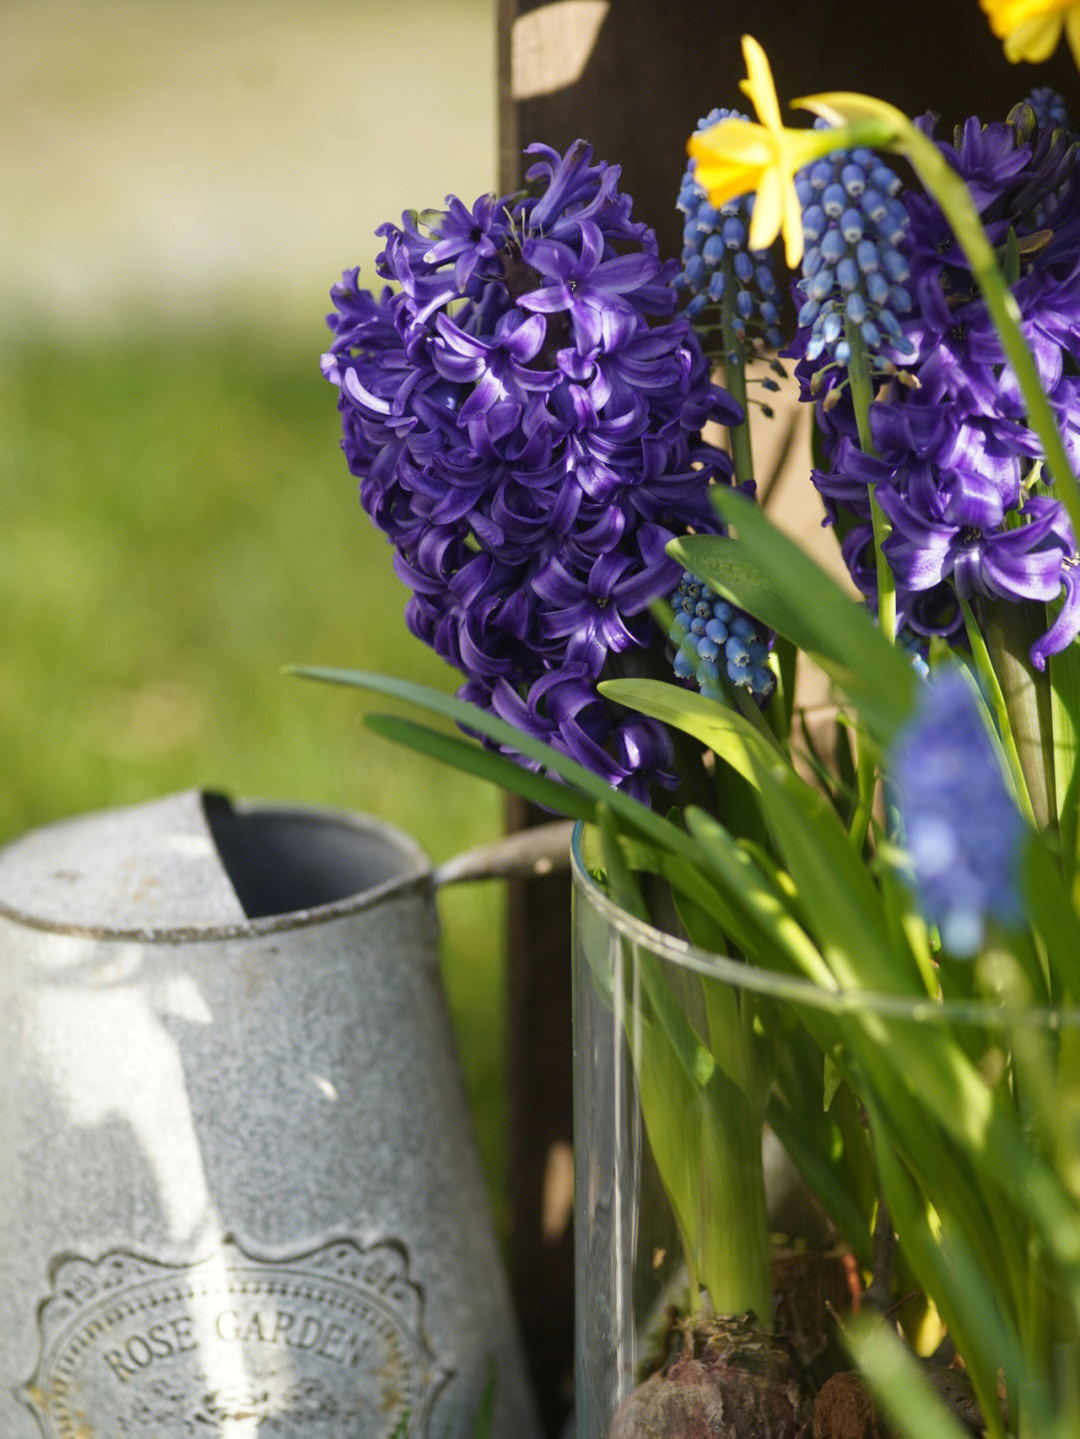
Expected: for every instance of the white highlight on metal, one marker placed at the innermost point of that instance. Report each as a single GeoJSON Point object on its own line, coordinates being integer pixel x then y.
{"type": "Point", "coordinates": [325, 1087]}
{"type": "Point", "coordinates": [111, 1057]}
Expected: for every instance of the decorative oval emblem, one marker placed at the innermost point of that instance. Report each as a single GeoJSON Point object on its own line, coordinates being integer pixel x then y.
{"type": "Point", "coordinates": [322, 1345]}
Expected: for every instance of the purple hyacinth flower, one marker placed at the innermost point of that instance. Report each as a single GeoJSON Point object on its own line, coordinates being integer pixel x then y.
{"type": "Point", "coordinates": [471, 238]}
{"type": "Point", "coordinates": [525, 420]}
{"type": "Point", "coordinates": [964, 833]}
{"type": "Point", "coordinates": [590, 289]}
{"type": "Point", "coordinates": [956, 467]}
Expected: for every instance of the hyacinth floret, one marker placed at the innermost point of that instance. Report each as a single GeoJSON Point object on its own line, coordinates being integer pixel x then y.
{"type": "Point", "coordinates": [955, 468]}
{"type": "Point", "coordinates": [524, 414]}
{"type": "Point", "coordinates": [714, 642]}
{"type": "Point", "coordinates": [854, 272]}
{"type": "Point", "coordinates": [964, 833]}
{"type": "Point", "coordinates": [715, 256]}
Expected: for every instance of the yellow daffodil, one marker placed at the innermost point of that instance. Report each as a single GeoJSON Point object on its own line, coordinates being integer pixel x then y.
{"type": "Point", "coordinates": [1031, 29]}
{"type": "Point", "coordinates": [842, 107]}
{"type": "Point", "coordinates": [739, 157]}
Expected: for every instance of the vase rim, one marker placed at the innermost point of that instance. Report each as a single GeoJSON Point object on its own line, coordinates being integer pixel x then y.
{"type": "Point", "coordinates": [799, 990]}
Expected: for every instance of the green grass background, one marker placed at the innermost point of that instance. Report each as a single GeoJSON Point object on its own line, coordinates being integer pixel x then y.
{"type": "Point", "coordinates": [178, 522]}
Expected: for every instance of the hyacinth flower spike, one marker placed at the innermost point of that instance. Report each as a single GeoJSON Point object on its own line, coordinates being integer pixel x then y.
{"type": "Point", "coordinates": [1031, 29]}
{"type": "Point", "coordinates": [849, 113]}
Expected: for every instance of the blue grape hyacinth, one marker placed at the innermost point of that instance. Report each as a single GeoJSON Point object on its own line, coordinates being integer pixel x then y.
{"type": "Point", "coordinates": [956, 469]}
{"type": "Point", "coordinates": [853, 272]}
{"type": "Point", "coordinates": [964, 833]}
{"type": "Point", "coordinates": [717, 643]}
{"type": "Point", "coordinates": [1048, 107]}
{"type": "Point", "coordinates": [715, 256]}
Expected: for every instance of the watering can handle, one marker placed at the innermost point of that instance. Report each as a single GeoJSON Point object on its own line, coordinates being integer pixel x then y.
{"type": "Point", "coordinates": [527, 853]}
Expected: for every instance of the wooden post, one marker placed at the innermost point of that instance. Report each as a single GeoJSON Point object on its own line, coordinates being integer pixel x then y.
{"type": "Point", "coordinates": [540, 1154]}
{"type": "Point", "coordinates": [632, 77]}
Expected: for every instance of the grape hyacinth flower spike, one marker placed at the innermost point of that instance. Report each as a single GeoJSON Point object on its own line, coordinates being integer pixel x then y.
{"type": "Point", "coordinates": [965, 835]}
{"type": "Point", "coordinates": [853, 273]}
{"type": "Point", "coordinates": [951, 460]}
{"type": "Point", "coordinates": [717, 643]}
{"type": "Point", "coordinates": [716, 254]}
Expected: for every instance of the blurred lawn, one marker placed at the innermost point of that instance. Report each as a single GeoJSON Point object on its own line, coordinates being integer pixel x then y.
{"type": "Point", "coordinates": [182, 184]}
{"type": "Point", "coordinates": [179, 523]}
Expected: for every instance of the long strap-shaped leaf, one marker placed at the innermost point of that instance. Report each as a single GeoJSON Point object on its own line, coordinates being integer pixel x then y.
{"type": "Point", "coordinates": [632, 812]}
{"type": "Point", "coordinates": [487, 764]}
{"type": "Point", "coordinates": [769, 576]}
{"type": "Point", "coordinates": [846, 916]}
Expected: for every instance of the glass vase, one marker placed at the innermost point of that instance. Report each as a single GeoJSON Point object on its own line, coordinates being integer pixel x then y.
{"type": "Point", "coordinates": [729, 1221]}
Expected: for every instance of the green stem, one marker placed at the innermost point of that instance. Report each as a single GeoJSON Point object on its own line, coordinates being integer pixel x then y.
{"type": "Point", "coordinates": [883, 127]}
{"type": "Point", "coordinates": [985, 668]}
{"type": "Point", "coordinates": [862, 396]}
{"type": "Point", "coordinates": [956, 204]}
{"type": "Point", "coordinates": [1010, 631]}
{"type": "Point", "coordinates": [735, 378]}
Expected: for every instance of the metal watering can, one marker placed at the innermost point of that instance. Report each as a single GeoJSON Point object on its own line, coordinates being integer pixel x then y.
{"type": "Point", "coordinates": [239, 1195]}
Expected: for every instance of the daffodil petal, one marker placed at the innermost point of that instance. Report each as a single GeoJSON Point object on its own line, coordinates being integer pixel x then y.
{"type": "Point", "coordinates": [1072, 32]}
{"type": "Point", "coordinates": [768, 211]}
{"type": "Point", "coordinates": [758, 84]}
{"type": "Point", "coordinates": [739, 141]}
{"type": "Point", "coordinates": [792, 225]}
{"type": "Point", "coordinates": [1034, 39]}
{"type": "Point", "coordinates": [730, 157]}
{"type": "Point", "coordinates": [1007, 15]}
{"type": "Point", "coordinates": [724, 183]}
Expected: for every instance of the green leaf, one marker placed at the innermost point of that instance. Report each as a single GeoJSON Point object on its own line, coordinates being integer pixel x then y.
{"type": "Point", "coordinates": [768, 575]}
{"type": "Point", "coordinates": [831, 1082]}
{"type": "Point", "coordinates": [770, 934]}
{"type": "Point", "coordinates": [915, 1411]}
{"type": "Point", "coordinates": [630, 811]}
{"type": "Point", "coordinates": [693, 1054]}
{"type": "Point", "coordinates": [964, 1287]}
{"type": "Point", "coordinates": [484, 1423]}
{"type": "Point", "coordinates": [847, 918]}
{"type": "Point", "coordinates": [1054, 916]}
{"type": "Point", "coordinates": [725, 731]}
{"type": "Point", "coordinates": [484, 763]}
{"type": "Point", "coordinates": [460, 712]}
{"type": "Point", "coordinates": [1010, 631]}
{"type": "Point", "coordinates": [704, 1128]}
{"type": "Point", "coordinates": [811, 1158]}
{"type": "Point", "coordinates": [1009, 258]}
{"type": "Point", "coordinates": [787, 657]}
{"type": "Point", "coordinates": [743, 902]}
{"type": "Point", "coordinates": [1065, 718]}
{"type": "Point", "coordinates": [995, 699]}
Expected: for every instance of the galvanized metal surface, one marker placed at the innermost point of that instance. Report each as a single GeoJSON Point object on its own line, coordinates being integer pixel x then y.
{"type": "Point", "coordinates": [240, 1195]}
